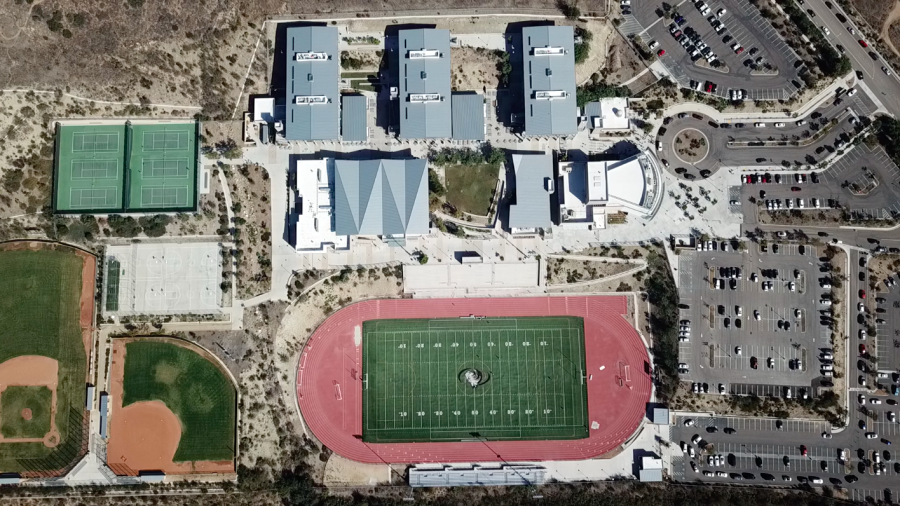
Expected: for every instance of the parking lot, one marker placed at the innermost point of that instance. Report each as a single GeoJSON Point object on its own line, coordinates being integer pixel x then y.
{"type": "Point", "coordinates": [760, 332]}
{"type": "Point", "coordinates": [887, 327]}
{"type": "Point", "coordinates": [775, 74]}
{"type": "Point", "coordinates": [881, 201]}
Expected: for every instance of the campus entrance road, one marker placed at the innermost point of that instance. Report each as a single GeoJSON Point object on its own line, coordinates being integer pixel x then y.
{"type": "Point", "coordinates": [886, 88]}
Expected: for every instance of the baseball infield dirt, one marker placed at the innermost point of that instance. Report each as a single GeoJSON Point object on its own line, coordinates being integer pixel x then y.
{"type": "Point", "coordinates": [144, 436]}
{"type": "Point", "coordinates": [32, 370]}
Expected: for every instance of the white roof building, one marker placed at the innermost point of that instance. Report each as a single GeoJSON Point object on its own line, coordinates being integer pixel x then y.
{"type": "Point", "coordinates": [589, 191]}
{"type": "Point", "coordinates": [608, 114]}
{"type": "Point", "coordinates": [312, 207]}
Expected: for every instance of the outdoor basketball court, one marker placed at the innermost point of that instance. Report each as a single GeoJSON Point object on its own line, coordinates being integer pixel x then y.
{"type": "Point", "coordinates": [126, 168]}
{"type": "Point", "coordinates": [145, 278]}
{"type": "Point", "coordinates": [491, 379]}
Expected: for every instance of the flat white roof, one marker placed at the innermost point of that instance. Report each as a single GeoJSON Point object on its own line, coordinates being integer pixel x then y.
{"type": "Point", "coordinates": [469, 276]}
{"type": "Point", "coordinates": [596, 182]}
{"type": "Point", "coordinates": [626, 181]}
{"type": "Point", "coordinates": [613, 113]}
{"type": "Point", "coordinates": [313, 206]}
{"type": "Point", "coordinates": [264, 109]}
{"type": "Point", "coordinates": [163, 278]}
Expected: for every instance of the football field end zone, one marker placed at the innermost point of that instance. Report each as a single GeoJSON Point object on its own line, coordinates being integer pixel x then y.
{"type": "Point", "coordinates": [532, 367]}
{"type": "Point", "coordinates": [331, 362]}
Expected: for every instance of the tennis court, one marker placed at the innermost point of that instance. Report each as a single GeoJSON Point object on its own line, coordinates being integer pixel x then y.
{"type": "Point", "coordinates": [126, 168]}
{"type": "Point", "coordinates": [163, 167]}
{"type": "Point", "coordinates": [89, 170]}
{"type": "Point", "coordinates": [487, 379]}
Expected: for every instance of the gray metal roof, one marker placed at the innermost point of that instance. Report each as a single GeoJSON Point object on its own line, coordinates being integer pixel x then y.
{"type": "Point", "coordinates": [661, 416]}
{"type": "Point", "coordinates": [380, 197]}
{"type": "Point", "coordinates": [424, 74]}
{"type": "Point", "coordinates": [311, 78]}
{"type": "Point", "coordinates": [353, 118]}
{"type": "Point", "coordinates": [468, 116]}
{"type": "Point", "coordinates": [477, 476]}
{"type": "Point", "coordinates": [651, 475]}
{"type": "Point", "coordinates": [549, 72]}
{"type": "Point", "coordinates": [534, 173]}
{"type": "Point", "coordinates": [591, 111]}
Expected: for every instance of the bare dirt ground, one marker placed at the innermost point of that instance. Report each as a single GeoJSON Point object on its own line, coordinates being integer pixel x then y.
{"type": "Point", "coordinates": [264, 357]}
{"type": "Point", "coordinates": [880, 267]}
{"type": "Point", "coordinates": [560, 270]}
{"type": "Point", "coordinates": [345, 472]}
{"type": "Point", "coordinates": [875, 12]}
{"type": "Point", "coordinates": [250, 189]}
{"type": "Point", "coordinates": [474, 69]}
{"type": "Point", "coordinates": [302, 318]}
{"type": "Point", "coordinates": [892, 18]}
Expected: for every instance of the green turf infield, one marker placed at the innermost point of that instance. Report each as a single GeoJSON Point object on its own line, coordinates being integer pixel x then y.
{"type": "Point", "coordinates": [17, 398]}
{"type": "Point", "coordinates": [195, 389]}
{"type": "Point", "coordinates": [39, 315]}
{"type": "Point", "coordinates": [529, 375]}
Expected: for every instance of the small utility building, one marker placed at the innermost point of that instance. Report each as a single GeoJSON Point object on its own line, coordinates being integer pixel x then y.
{"type": "Point", "coordinates": [311, 101]}
{"type": "Point", "coordinates": [424, 84]}
{"type": "Point", "coordinates": [548, 55]}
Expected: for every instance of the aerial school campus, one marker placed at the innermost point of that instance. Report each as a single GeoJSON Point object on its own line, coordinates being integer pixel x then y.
{"type": "Point", "coordinates": [465, 251]}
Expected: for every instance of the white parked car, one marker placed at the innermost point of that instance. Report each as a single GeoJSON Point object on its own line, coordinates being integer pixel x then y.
{"type": "Point", "coordinates": [851, 92]}
{"type": "Point", "coordinates": [874, 400]}
{"type": "Point", "coordinates": [792, 286]}
{"type": "Point", "coordinates": [689, 423]}
{"type": "Point", "coordinates": [756, 314]}
{"type": "Point", "coordinates": [779, 125]}
{"type": "Point", "coordinates": [653, 44]}
{"type": "Point", "coordinates": [861, 307]}
{"type": "Point", "coordinates": [825, 302]}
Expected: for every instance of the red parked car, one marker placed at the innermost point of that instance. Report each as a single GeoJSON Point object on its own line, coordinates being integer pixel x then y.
{"type": "Point", "coordinates": [862, 294]}
{"type": "Point", "coordinates": [803, 450]}
{"type": "Point", "coordinates": [661, 52]}
{"type": "Point", "coordinates": [862, 349]}
{"type": "Point", "coordinates": [863, 43]}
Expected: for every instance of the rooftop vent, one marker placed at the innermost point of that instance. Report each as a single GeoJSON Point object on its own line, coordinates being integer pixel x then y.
{"type": "Point", "coordinates": [311, 100]}
{"type": "Point", "coordinates": [550, 95]}
{"type": "Point", "coordinates": [424, 53]}
{"type": "Point", "coordinates": [549, 51]}
{"type": "Point", "coordinates": [312, 56]}
{"type": "Point", "coordinates": [424, 97]}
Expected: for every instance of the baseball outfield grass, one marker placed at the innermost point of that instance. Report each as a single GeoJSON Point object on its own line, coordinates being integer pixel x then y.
{"type": "Point", "coordinates": [196, 390]}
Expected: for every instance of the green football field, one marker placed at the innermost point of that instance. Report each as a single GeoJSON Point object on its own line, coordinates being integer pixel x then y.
{"type": "Point", "coordinates": [39, 315]}
{"type": "Point", "coordinates": [528, 372]}
{"type": "Point", "coordinates": [196, 390]}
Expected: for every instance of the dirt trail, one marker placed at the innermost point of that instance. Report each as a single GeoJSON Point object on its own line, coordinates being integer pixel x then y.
{"type": "Point", "coordinates": [892, 17]}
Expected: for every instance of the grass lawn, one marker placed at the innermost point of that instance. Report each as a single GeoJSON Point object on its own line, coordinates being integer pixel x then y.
{"type": "Point", "coordinates": [39, 315]}
{"type": "Point", "coordinates": [531, 383]}
{"type": "Point", "coordinates": [196, 390]}
{"type": "Point", "coordinates": [16, 398]}
{"type": "Point", "coordinates": [470, 187]}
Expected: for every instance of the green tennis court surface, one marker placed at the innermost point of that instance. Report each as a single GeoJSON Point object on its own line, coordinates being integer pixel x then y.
{"type": "Point", "coordinates": [126, 168]}
{"type": "Point", "coordinates": [418, 378]}
{"type": "Point", "coordinates": [162, 166]}
{"type": "Point", "coordinates": [90, 174]}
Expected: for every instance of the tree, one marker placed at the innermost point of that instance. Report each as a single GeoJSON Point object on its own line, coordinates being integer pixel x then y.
{"type": "Point", "coordinates": [569, 10]}
{"type": "Point", "coordinates": [434, 183]}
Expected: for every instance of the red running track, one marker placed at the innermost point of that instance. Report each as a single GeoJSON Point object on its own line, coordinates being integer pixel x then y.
{"type": "Point", "coordinates": [329, 385]}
